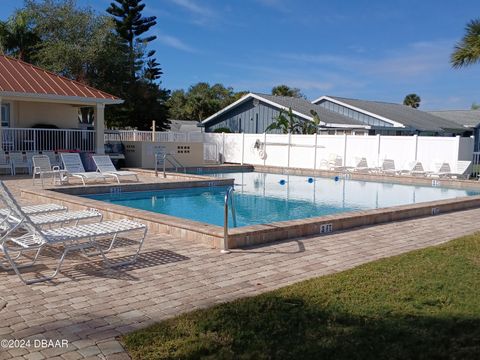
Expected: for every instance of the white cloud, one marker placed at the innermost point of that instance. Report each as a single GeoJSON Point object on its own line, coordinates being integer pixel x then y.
{"type": "Point", "coordinates": [174, 42]}
{"type": "Point", "coordinates": [202, 14]}
{"type": "Point", "coordinates": [417, 59]}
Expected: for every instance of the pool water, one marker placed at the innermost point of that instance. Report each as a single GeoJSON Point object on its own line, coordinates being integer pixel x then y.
{"type": "Point", "coordinates": [262, 198]}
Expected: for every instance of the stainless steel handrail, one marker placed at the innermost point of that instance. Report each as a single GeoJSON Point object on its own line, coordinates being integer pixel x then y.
{"type": "Point", "coordinates": [172, 160]}
{"type": "Point", "coordinates": [228, 196]}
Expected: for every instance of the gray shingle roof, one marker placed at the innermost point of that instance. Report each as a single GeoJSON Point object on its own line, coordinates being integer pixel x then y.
{"type": "Point", "coordinates": [467, 118]}
{"type": "Point", "coordinates": [412, 118]}
{"type": "Point", "coordinates": [304, 107]}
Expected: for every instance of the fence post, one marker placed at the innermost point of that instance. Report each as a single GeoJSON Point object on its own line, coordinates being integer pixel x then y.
{"type": "Point", "coordinates": [223, 147]}
{"type": "Point", "coordinates": [243, 147]}
{"type": "Point", "coordinates": [378, 149]}
{"type": "Point", "coordinates": [415, 137]}
{"type": "Point", "coordinates": [288, 149]}
{"type": "Point", "coordinates": [134, 135]}
{"type": "Point", "coordinates": [345, 149]}
{"type": "Point", "coordinates": [315, 154]}
{"type": "Point", "coordinates": [457, 144]}
{"type": "Point", "coordinates": [265, 148]}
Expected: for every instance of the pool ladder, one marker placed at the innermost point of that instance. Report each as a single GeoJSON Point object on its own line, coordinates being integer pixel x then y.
{"type": "Point", "coordinates": [171, 159]}
{"type": "Point", "coordinates": [229, 198]}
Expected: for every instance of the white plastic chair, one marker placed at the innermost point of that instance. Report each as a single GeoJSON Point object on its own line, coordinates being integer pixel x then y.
{"type": "Point", "coordinates": [105, 167]}
{"type": "Point", "coordinates": [80, 237]}
{"type": "Point", "coordinates": [19, 161]}
{"type": "Point", "coordinates": [43, 168]}
{"type": "Point", "coordinates": [72, 163]}
{"type": "Point", "coordinates": [54, 158]}
{"type": "Point", "coordinates": [4, 163]}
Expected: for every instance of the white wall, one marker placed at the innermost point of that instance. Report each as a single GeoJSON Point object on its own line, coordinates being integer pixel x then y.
{"type": "Point", "coordinates": [402, 149]}
{"type": "Point", "coordinates": [26, 114]}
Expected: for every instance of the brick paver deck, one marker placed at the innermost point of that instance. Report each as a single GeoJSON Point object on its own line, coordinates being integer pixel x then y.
{"type": "Point", "coordinates": [90, 306]}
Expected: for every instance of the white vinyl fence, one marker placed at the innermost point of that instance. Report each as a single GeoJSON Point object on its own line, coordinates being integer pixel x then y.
{"type": "Point", "coordinates": [311, 151]}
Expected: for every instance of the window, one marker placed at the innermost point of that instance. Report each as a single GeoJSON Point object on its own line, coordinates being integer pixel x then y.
{"type": "Point", "coordinates": [256, 123]}
{"type": "Point", "coordinates": [353, 114]}
{"type": "Point", "coordinates": [5, 115]}
{"type": "Point", "coordinates": [239, 125]}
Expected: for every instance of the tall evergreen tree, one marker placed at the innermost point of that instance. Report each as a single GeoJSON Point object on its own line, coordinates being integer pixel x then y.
{"type": "Point", "coordinates": [131, 25]}
{"type": "Point", "coordinates": [18, 36]}
{"type": "Point", "coordinates": [144, 99]}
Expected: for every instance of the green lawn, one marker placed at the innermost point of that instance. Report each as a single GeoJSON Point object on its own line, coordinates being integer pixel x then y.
{"type": "Point", "coordinates": [422, 305]}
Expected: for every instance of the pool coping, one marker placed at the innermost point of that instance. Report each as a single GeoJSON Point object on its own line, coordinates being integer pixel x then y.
{"type": "Point", "coordinates": [212, 235]}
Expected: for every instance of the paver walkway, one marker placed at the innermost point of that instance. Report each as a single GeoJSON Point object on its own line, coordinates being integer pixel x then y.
{"type": "Point", "coordinates": [90, 306]}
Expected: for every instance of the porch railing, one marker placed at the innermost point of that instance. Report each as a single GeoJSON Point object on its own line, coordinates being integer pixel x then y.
{"type": "Point", "coordinates": [160, 136]}
{"type": "Point", "coordinates": [23, 139]}
{"type": "Point", "coordinates": [28, 139]}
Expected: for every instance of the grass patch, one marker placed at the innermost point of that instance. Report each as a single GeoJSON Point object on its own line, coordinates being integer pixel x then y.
{"type": "Point", "coordinates": [422, 305]}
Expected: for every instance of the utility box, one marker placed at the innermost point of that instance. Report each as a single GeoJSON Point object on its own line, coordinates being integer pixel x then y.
{"type": "Point", "coordinates": [141, 154]}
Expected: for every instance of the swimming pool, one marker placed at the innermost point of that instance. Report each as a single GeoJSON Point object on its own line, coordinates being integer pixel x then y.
{"type": "Point", "coordinates": [263, 198]}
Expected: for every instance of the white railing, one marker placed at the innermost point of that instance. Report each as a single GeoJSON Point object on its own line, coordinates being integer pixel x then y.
{"type": "Point", "coordinates": [159, 136]}
{"type": "Point", "coordinates": [29, 139]}
{"type": "Point", "coordinates": [23, 139]}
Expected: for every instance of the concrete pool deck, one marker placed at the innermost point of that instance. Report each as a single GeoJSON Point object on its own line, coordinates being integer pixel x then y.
{"type": "Point", "coordinates": [90, 306]}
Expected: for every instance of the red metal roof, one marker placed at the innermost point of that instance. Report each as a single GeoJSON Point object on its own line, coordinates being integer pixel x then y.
{"type": "Point", "coordinates": [17, 76]}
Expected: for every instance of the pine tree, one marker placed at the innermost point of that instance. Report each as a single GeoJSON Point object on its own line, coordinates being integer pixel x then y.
{"type": "Point", "coordinates": [130, 26]}
{"type": "Point", "coordinates": [144, 98]}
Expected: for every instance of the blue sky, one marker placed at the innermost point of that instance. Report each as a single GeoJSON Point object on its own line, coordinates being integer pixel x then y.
{"type": "Point", "coordinates": [367, 49]}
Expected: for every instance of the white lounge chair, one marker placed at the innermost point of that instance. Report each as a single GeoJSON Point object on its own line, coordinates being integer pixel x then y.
{"type": "Point", "coordinates": [4, 163]}
{"type": "Point", "coordinates": [18, 160]}
{"type": "Point", "coordinates": [440, 169]}
{"type": "Point", "coordinates": [72, 163]}
{"type": "Point", "coordinates": [334, 163]}
{"type": "Point", "coordinates": [106, 168]}
{"type": "Point", "coordinates": [461, 169]}
{"type": "Point", "coordinates": [37, 209]}
{"type": "Point", "coordinates": [361, 165]}
{"type": "Point", "coordinates": [80, 237]}
{"type": "Point", "coordinates": [58, 219]}
{"type": "Point", "coordinates": [414, 168]}
{"type": "Point", "coordinates": [388, 167]}
{"type": "Point", "coordinates": [43, 168]}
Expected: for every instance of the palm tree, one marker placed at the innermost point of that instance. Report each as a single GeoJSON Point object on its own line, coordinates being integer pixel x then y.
{"type": "Point", "coordinates": [467, 51]}
{"type": "Point", "coordinates": [284, 90]}
{"type": "Point", "coordinates": [287, 124]}
{"type": "Point", "coordinates": [311, 127]}
{"type": "Point", "coordinates": [412, 100]}
{"type": "Point", "coordinates": [17, 38]}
